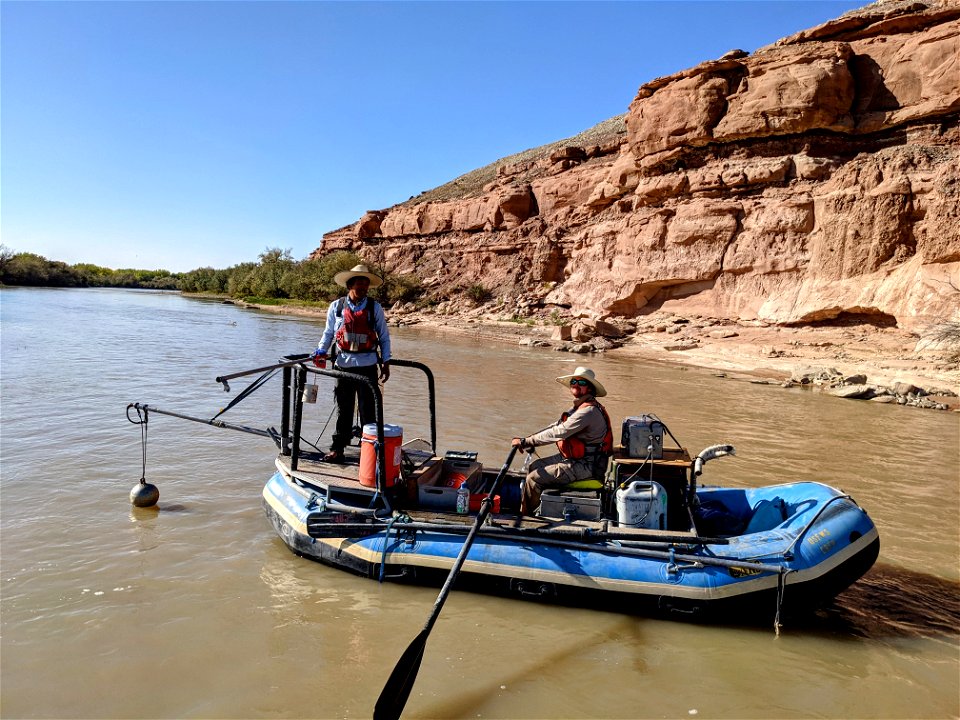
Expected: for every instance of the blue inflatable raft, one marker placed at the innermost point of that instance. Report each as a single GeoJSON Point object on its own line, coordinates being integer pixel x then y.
{"type": "Point", "coordinates": [646, 532]}
{"type": "Point", "coordinates": [784, 548]}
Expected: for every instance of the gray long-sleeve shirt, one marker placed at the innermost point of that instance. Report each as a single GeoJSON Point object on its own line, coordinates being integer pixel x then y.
{"type": "Point", "coordinates": [586, 423]}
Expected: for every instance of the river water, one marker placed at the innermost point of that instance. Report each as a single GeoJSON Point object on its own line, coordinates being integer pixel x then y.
{"type": "Point", "coordinates": [195, 609]}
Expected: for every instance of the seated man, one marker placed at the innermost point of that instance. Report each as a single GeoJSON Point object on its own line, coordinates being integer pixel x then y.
{"type": "Point", "coordinates": [583, 436]}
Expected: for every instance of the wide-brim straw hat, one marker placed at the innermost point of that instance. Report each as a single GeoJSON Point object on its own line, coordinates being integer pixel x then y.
{"type": "Point", "coordinates": [343, 276]}
{"type": "Point", "coordinates": [582, 373]}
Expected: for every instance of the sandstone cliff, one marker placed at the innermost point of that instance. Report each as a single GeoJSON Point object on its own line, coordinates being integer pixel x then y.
{"type": "Point", "coordinates": [813, 181]}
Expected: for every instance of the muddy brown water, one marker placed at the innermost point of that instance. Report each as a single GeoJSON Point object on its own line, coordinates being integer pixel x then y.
{"type": "Point", "coordinates": [196, 608]}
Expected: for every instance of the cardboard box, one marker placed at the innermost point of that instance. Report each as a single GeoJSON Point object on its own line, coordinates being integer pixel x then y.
{"type": "Point", "coordinates": [429, 472]}
{"type": "Point", "coordinates": [439, 495]}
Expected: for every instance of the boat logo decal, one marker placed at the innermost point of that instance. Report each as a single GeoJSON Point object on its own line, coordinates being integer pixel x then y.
{"type": "Point", "coordinates": [739, 572]}
{"type": "Point", "coordinates": [820, 539]}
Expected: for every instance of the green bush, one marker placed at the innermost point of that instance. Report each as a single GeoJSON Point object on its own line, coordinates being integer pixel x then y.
{"type": "Point", "coordinates": [399, 288]}
{"type": "Point", "coordinates": [240, 282]}
{"type": "Point", "coordinates": [327, 267]}
{"type": "Point", "coordinates": [478, 293]}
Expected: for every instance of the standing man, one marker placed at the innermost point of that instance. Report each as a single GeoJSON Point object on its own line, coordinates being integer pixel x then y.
{"type": "Point", "coordinates": [583, 436]}
{"type": "Point", "coordinates": [357, 327]}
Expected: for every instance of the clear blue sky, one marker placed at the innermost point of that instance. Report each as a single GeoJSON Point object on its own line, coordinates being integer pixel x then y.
{"type": "Point", "coordinates": [179, 135]}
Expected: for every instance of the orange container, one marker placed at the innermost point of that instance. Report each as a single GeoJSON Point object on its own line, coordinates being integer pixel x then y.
{"type": "Point", "coordinates": [454, 479]}
{"type": "Point", "coordinates": [392, 440]}
{"type": "Point", "coordinates": [475, 501]}
{"type": "Point", "coordinates": [457, 472]}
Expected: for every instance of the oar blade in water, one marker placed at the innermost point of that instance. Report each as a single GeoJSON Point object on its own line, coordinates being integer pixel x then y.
{"type": "Point", "coordinates": [395, 692]}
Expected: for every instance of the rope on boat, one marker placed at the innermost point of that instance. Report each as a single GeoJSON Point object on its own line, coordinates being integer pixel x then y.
{"type": "Point", "coordinates": [781, 591]}
{"type": "Point", "coordinates": [324, 428]}
{"type": "Point", "coordinates": [312, 445]}
{"type": "Point", "coordinates": [143, 494]}
{"type": "Point", "coordinates": [399, 517]}
{"type": "Point", "coordinates": [675, 441]}
{"type": "Point", "coordinates": [142, 419]}
{"type": "Point", "coordinates": [789, 550]}
{"type": "Point", "coordinates": [788, 555]}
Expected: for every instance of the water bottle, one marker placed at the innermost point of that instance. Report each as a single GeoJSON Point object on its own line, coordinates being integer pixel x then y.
{"type": "Point", "coordinates": [463, 499]}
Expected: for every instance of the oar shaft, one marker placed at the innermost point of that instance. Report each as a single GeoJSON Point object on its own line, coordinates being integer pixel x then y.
{"type": "Point", "coordinates": [485, 507]}
{"type": "Point", "coordinates": [648, 550]}
{"type": "Point", "coordinates": [584, 535]}
{"type": "Point", "coordinates": [666, 555]}
{"type": "Point", "coordinates": [395, 692]}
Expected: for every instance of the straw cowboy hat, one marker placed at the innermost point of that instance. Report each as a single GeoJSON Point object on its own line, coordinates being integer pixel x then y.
{"type": "Point", "coordinates": [582, 373]}
{"type": "Point", "coordinates": [344, 276]}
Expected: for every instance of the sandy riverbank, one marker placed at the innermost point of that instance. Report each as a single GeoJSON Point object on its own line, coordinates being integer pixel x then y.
{"type": "Point", "coordinates": [885, 356]}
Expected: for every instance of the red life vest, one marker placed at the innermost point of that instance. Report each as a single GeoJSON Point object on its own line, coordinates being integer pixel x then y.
{"type": "Point", "coordinates": [574, 448]}
{"type": "Point", "coordinates": [357, 333]}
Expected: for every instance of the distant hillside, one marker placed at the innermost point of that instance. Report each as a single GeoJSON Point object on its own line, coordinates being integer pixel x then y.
{"type": "Point", "coordinates": [472, 183]}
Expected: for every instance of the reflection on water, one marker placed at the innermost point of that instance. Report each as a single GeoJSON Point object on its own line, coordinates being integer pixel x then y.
{"type": "Point", "coordinates": [200, 596]}
{"type": "Point", "coordinates": [543, 659]}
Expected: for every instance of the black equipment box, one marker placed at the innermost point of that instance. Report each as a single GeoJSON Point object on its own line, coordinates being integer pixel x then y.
{"type": "Point", "coordinates": [643, 437]}
{"type": "Point", "coordinates": [460, 455]}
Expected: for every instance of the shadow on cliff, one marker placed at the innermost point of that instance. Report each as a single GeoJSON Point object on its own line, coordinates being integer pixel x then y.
{"type": "Point", "coordinates": [872, 93]}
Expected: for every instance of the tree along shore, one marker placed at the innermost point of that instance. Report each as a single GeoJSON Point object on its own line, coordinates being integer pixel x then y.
{"type": "Point", "coordinates": [28, 269]}
{"type": "Point", "coordinates": [275, 277]}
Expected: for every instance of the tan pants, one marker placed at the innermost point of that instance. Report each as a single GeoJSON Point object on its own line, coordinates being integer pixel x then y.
{"type": "Point", "coordinates": [553, 471]}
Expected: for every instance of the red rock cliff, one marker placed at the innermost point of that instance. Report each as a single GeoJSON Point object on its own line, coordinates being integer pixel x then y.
{"type": "Point", "coordinates": [813, 180]}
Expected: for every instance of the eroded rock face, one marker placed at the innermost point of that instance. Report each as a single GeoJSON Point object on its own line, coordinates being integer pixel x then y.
{"type": "Point", "coordinates": [813, 179]}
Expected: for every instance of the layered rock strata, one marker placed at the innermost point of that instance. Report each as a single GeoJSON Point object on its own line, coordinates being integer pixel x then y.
{"type": "Point", "coordinates": [813, 181]}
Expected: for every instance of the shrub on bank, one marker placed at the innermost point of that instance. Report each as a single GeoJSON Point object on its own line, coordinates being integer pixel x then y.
{"type": "Point", "coordinates": [478, 293]}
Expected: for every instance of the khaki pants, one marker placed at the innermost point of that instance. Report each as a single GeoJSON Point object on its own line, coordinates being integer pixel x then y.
{"type": "Point", "coordinates": [553, 471]}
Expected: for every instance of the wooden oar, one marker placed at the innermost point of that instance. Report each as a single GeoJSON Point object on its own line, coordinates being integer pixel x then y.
{"type": "Point", "coordinates": [394, 695]}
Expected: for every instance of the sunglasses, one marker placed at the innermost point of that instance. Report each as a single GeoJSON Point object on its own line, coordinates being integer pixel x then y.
{"type": "Point", "coordinates": [582, 383]}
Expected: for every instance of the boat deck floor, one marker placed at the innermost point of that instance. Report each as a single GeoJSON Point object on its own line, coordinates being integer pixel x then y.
{"type": "Point", "coordinates": [312, 469]}
{"type": "Point", "coordinates": [342, 479]}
